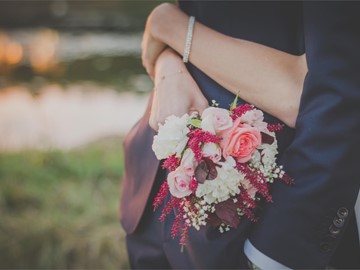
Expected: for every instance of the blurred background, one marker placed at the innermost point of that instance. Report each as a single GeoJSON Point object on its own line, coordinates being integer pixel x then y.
{"type": "Point", "coordinates": [71, 86]}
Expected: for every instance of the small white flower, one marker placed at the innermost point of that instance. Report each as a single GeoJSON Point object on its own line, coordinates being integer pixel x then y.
{"type": "Point", "coordinates": [256, 158]}
{"type": "Point", "coordinates": [224, 186]}
{"type": "Point", "coordinates": [268, 153]}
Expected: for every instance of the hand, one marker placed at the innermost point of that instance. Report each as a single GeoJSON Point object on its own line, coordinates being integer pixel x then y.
{"type": "Point", "coordinates": [176, 92]}
{"type": "Point", "coordinates": [151, 47]}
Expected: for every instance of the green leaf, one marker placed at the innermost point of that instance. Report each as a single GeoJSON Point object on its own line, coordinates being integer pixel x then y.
{"type": "Point", "coordinates": [234, 104]}
{"type": "Point", "coordinates": [195, 122]}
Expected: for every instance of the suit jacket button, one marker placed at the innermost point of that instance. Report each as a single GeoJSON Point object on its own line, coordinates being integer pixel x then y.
{"type": "Point", "coordinates": [329, 238]}
{"type": "Point", "coordinates": [325, 247]}
{"type": "Point", "coordinates": [342, 212]}
{"type": "Point", "coordinates": [333, 230]}
{"type": "Point", "coordinates": [338, 222]}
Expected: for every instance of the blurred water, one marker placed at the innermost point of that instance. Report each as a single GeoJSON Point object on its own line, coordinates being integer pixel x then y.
{"type": "Point", "coordinates": [61, 89]}
{"type": "Point", "coordinates": [65, 118]}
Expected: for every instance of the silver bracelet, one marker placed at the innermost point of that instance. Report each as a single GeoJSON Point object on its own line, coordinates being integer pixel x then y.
{"type": "Point", "coordinates": [189, 36]}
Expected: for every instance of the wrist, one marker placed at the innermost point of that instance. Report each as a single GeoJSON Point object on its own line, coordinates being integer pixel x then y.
{"type": "Point", "coordinates": [168, 62]}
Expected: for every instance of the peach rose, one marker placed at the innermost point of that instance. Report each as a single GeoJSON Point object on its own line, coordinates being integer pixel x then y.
{"type": "Point", "coordinates": [179, 183]}
{"type": "Point", "coordinates": [240, 141]}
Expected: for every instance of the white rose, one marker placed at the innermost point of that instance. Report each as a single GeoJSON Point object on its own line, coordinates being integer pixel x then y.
{"type": "Point", "coordinates": [212, 151]}
{"type": "Point", "coordinates": [254, 118]}
{"type": "Point", "coordinates": [215, 120]}
{"type": "Point", "coordinates": [172, 137]}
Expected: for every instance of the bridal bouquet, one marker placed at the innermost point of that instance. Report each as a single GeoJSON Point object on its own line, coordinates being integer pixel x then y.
{"type": "Point", "coordinates": [220, 165]}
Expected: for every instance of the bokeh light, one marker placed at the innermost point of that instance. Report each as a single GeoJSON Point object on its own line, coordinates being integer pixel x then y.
{"type": "Point", "coordinates": [42, 50]}
{"type": "Point", "coordinates": [11, 52]}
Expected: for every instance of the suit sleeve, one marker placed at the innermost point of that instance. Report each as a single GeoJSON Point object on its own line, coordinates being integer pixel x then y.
{"type": "Point", "coordinates": [304, 225]}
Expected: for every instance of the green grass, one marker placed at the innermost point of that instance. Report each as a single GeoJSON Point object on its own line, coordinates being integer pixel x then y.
{"type": "Point", "coordinates": [60, 209]}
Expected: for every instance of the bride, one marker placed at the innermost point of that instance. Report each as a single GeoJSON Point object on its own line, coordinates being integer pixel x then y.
{"type": "Point", "coordinates": [261, 58]}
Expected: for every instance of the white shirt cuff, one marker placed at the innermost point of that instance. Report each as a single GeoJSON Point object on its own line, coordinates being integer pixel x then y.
{"type": "Point", "coordinates": [259, 259]}
{"type": "Point", "coordinates": [357, 213]}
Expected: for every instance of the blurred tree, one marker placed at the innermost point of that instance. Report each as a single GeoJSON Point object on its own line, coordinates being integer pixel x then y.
{"type": "Point", "coordinates": [106, 15]}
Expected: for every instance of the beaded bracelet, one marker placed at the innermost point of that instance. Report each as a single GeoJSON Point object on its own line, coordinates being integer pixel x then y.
{"type": "Point", "coordinates": [189, 36]}
{"type": "Point", "coordinates": [163, 77]}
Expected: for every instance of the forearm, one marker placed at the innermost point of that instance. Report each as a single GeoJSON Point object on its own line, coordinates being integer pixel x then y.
{"type": "Point", "coordinates": [268, 78]}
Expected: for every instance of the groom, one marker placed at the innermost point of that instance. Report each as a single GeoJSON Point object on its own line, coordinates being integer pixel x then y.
{"type": "Point", "coordinates": [313, 224]}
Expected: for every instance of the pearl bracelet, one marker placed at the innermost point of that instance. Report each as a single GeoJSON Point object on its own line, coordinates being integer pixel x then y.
{"type": "Point", "coordinates": [189, 36]}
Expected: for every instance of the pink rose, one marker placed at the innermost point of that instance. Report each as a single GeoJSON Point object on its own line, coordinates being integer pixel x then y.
{"type": "Point", "coordinates": [240, 141]}
{"type": "Point", "coordinates": [215, 120]}
{"type": "Point", "coordinates": [188, 162]}
{"type": "Point", "coordinates": [179, 183]}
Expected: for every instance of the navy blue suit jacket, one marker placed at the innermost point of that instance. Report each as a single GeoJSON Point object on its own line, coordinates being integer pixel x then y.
{"type": "Point", "coordinates": [304, 225]}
